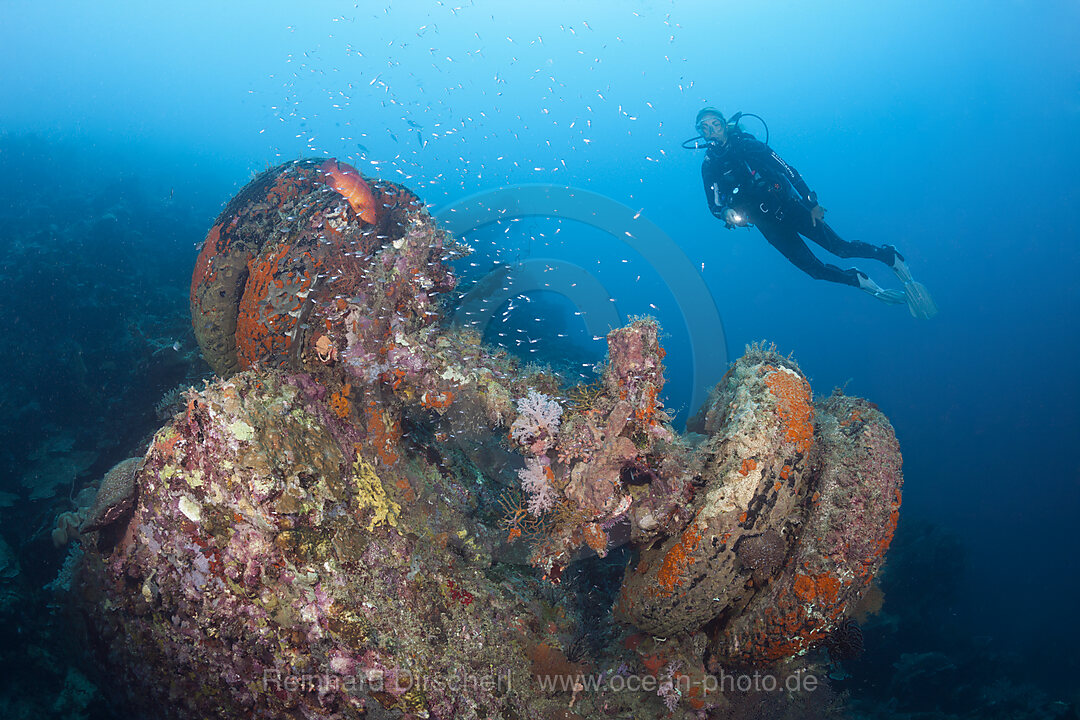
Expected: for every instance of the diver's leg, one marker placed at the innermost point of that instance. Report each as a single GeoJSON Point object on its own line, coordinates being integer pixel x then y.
{"type": "Point", "coordinates": [915, 294]}
{"type": "Point", "coordinates": [788, 242]}
{"type": "Point", "coordinates": [827, 238]}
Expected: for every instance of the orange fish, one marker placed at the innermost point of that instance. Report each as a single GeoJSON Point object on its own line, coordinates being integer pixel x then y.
{"type": "Point", "coordinates": [347, 181]}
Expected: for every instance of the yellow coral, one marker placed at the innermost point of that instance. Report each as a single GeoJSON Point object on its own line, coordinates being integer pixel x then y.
{"type": "Point", "coordinates": [370, 493]}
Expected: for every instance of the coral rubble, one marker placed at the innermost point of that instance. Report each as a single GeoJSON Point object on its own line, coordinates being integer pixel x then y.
{"type": "Point", "coordinates": [343, 524]}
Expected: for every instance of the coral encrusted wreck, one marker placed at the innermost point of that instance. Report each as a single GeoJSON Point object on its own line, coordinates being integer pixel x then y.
{"type": "Point", "coordinates": [364, 517]}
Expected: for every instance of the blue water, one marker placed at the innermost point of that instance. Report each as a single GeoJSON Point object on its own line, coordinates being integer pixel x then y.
{"type": "Point", "coordinates": [946, 129]}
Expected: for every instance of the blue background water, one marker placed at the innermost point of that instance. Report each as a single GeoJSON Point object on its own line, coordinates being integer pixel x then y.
{"type": "Point", "coordinates": [947, 129]}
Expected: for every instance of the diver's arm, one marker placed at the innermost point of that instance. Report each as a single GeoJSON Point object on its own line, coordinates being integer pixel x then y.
{"type": "Point", "coordinates": [718, 193]}
{"type": "Point", "coordinates": [714, 196]}
{"type": "Point", "coordinates": [807, 196]}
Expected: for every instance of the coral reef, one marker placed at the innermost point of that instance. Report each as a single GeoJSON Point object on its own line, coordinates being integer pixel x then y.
{"type": "Point", "coordinates": [279, 548]}
{"type": "Point", "coordinates": [333, 528]}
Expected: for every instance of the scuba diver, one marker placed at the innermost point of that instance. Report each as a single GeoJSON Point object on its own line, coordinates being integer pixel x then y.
{"type": "Point", "coordinates": [747, 183]}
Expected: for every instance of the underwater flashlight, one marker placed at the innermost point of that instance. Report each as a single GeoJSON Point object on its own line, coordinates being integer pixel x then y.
{"type": "Point", "coordinates": [735, 219]}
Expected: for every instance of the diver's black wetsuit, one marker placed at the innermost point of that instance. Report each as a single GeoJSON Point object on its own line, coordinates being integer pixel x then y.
{"type": "Point", "coordinates": [747, 176]}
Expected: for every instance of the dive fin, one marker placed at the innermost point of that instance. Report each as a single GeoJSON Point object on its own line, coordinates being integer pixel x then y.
{"type": "Point", "coordinates": [889, 297]}
{"type": "Point", "coordinates": [892, 297]}
{"type": "Point", "coordinates": [919, 302]}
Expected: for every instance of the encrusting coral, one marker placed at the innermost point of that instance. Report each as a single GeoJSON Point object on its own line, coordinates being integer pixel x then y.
{"type": "Point", "coordinates": [336, 527]}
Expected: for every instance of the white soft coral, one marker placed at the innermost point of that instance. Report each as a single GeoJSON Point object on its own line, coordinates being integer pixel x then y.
{"type": "Point", "coordinates": [536, 479]}
{"type": "Point", "coordinates": [537, 422]}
